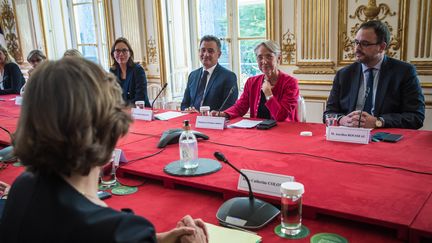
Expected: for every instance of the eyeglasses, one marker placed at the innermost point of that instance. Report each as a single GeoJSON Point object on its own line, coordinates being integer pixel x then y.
{"type": "Point", "coordinates": [364, 44]}
{"type": "Point", "coordinates": [266, 57]}
{"type": "Point", "coordinates": [118, 51]}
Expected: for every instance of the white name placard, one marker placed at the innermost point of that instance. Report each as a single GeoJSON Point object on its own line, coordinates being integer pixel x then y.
{"type": "Point", "coordinates": [142, 114]}
{"type": "Point", "coordinates": [263, 182]}
{"type": "Point", "coordinates": [18, 100]}
{"type": "Point", "coordinates": [211, 122]}
{"type": "Point", "coordinates": [348, 134]}
{"type": "Point", "coordinates": [118, 156]}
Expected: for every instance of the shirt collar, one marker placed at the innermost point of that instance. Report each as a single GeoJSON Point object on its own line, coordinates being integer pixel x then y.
{"type": "Point", "coordinates": [210, 70]}
{"type": "Point", "coordinates": [376, 67]}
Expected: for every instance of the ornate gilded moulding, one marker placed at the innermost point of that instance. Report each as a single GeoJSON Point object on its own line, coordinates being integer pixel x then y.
{"type": "Point", "coordinates": [315, 68]}
{"type": "Point", "coordinates": [8, 24]}
{"type": "Point", "coordinates": [353, 13]}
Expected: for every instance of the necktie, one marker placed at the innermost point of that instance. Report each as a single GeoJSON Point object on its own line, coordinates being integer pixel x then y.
{"type": "Point", "coordinates": [200, 91]}
{"type": "Point", "coordinates": [368, 101]}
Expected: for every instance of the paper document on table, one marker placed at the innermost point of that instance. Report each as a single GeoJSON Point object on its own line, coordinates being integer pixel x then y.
{"type": "Point", "coordinates": [221, 234]}
{"type": "Point", "coordinates": [245, 123]}
{"type": "Point", "coordinates": [168, 115]}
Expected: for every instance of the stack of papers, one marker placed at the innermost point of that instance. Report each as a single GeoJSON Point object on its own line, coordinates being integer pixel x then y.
{"type": "Point", "coordinates": [245, 124]}
{"type": "Point", "coordinates": [221, 234]}
{"type": "Point", "coordinates": [168, 115]}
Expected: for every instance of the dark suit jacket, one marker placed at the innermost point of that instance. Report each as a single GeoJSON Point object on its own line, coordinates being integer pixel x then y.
{"type": "Point", "coordinates": [399, 99]}
{"type": "Point", "coordinates": [13, 79]}
{"type": "Point", "coordinates": [45, 208]}
{"type": "Point", "coordinates": [218, 88]}
{"type": "Point", "coordinates": [136, 84]}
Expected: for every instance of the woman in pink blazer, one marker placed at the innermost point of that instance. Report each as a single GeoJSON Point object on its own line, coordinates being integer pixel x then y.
{"type": "Point", "coordinates": [271, 95]}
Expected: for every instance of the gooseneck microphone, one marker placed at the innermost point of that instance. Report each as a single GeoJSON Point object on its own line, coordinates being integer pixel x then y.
{"type": "Point", "coordinates": [364, 103]}
{"type": "Point", "coordinates": [225, 101]}
{"type": "Point", "coordinates": [160, 92]}
{"type": "Point", "coordinates": [244, 212]}
{"type": "Point", "coordinates": [219, 156]}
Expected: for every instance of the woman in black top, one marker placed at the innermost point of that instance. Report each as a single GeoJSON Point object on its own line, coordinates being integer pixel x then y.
{"type": "Point", "coordinates": [11, 78]}
{"type": "Point", "coordinates": [71, 119]}
{"type": "Point", "coordinates": [131, 76]}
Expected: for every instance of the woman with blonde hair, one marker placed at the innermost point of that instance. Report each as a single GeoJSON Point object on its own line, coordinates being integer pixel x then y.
{"type": "Point", "coordinates": [11, 77]}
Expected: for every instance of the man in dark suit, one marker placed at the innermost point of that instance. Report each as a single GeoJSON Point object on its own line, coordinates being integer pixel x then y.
{"type": "Point", "coordinates": [211, 84]}
{"type": "Point", "coordinates": [377, 90]}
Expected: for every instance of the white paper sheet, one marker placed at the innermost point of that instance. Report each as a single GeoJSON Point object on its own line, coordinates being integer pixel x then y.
{"type": "Point", "coordinates": [245, 123]}
{"type": "Point", "coordinates": [168, 115]}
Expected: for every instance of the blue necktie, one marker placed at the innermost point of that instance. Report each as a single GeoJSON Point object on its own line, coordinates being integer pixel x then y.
{"type": "Point", "coordinates": [368, 101]}
{"type": "Point", "coordinates": [200, 91]}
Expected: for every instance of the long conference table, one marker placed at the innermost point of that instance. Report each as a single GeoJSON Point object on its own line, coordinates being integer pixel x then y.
{"type": "Point", "coordinates": [385, 186]}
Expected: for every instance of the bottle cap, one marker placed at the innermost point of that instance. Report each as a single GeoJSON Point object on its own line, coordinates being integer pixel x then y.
{"type": "Point", "coordinates": [292, 188]}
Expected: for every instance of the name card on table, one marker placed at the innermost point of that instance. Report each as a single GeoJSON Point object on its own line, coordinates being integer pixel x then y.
{"type": "Point", "coordinates": [118, 156]}
{"type": "Point", "coordinates": [348, 134]}
{"type": "Point", "coordinates": [263, 182]}
{"type": "Point", "coordinates": [18, 100]}
{"type": "Point", "coordinates": [211, 122]}
{"type": "Point", "coordinates": [142, 114]}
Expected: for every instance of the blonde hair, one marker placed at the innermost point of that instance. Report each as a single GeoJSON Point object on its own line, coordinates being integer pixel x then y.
{"type": "Point", "coordinates": [71, 118]}
{"type": "Point", "coordinates": [272, 46]}
{"type": "Point", "coordinates": [37, 53]}
{"type": "Point", "coordinates": [72, 53]}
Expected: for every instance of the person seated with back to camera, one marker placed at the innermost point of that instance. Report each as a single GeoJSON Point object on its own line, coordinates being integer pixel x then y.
{"type": "Point", "coordinates": [271, 95]}
{"type": "Point", "coordinates": [130, 75]}
{"type": "Point", "coordinates": [11, 77]}
{"type": "Point", "coordinates": [71, 119]}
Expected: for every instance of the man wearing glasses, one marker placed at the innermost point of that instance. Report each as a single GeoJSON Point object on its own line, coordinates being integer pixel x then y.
{"type": "Point", "coordinates": [377, 90]}
{"type": "Point", "coordinates": [211, 84]}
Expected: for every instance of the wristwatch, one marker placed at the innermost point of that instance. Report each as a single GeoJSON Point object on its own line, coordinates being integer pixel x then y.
{"type": "Point", "coordinates": [269, 97]}
{"type": "Point", "coordinates": [379, 122]}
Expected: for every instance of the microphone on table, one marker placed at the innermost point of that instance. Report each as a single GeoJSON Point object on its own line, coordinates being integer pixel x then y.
{"type": "Point", "coordinates": [364, 103]}
{"type": "Point", "coordinates": [244, 212]}
{"type": "Point", "coordinates": [226, 99]}
{"type": "Point", "coordinates": [160, 92]}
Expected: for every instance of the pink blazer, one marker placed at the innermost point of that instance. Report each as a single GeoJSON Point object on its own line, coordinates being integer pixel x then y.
{"type": "Point", "coordinates": [282, 106]}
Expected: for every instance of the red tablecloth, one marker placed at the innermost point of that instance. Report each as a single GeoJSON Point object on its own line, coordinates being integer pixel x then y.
{"type": "Point", "coordinates": [380, 183]}
{"type": "Point", "coordinates": [164, 207]}
{"type": "Point", "coordinates": [376, 183]}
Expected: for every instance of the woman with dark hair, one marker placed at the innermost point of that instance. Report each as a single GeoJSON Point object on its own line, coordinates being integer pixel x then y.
{"type": "Point", "coordinates": [11, 77]}
{"type": "Point", "coordinates": [130, 75]}
{"type": "Point", "coordinates": [71, 119]}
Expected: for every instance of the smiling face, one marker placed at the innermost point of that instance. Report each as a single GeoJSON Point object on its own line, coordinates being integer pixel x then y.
{"type": "Point", "coordinates": [209, 54]}
{"type": "Point", "coordinates": [267, 61]}
{"type": "Point", "coordinates": [367, 49]}
{"type": "Point", "coordinates": [121, 53]}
